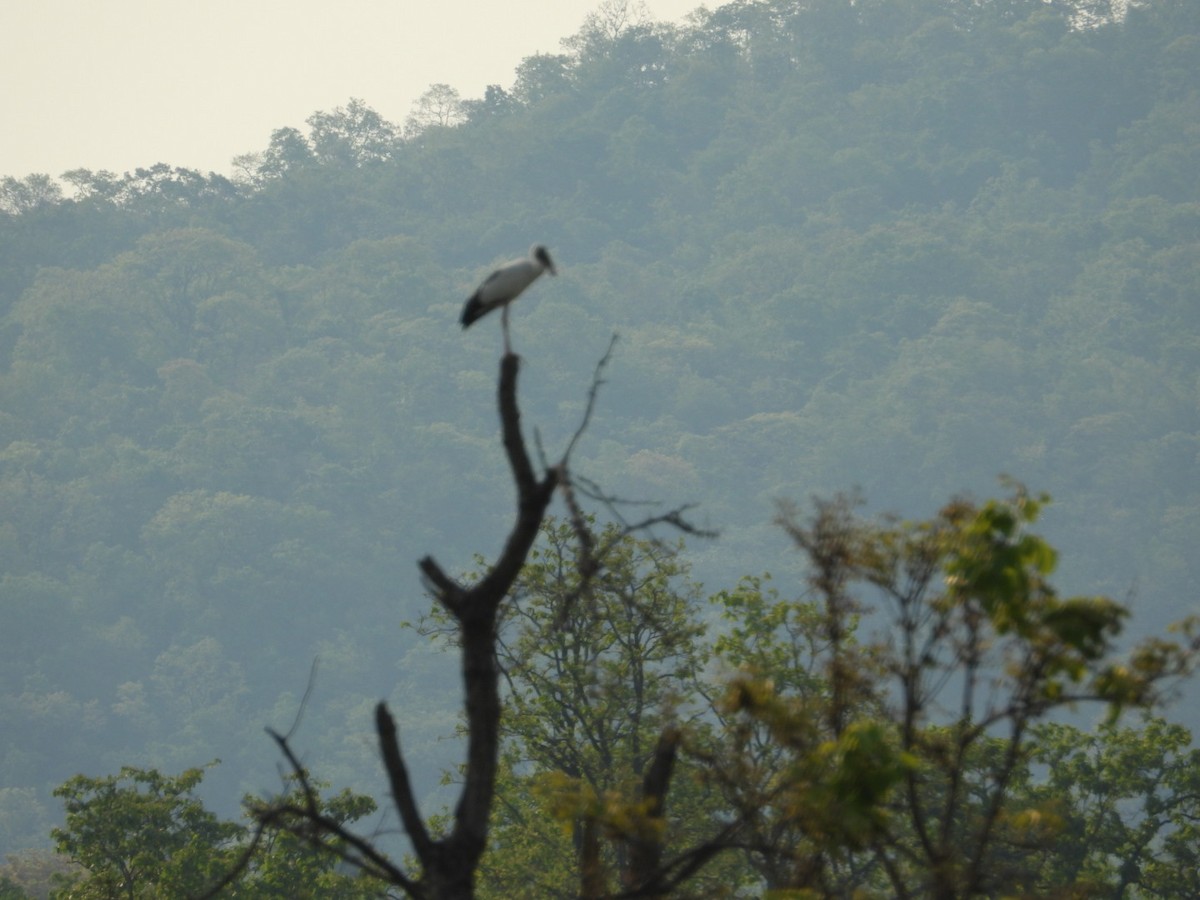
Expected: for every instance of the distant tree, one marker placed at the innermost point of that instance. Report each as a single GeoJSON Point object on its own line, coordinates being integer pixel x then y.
{"type": "Point", "coordinates": [22, 195]}
{"type": "Point", "coordinates": [288, 151]}
{"type": "Point", "coordinates": [136, 313]}
{"type": "Point", "coordinates": [496, 101]}
{"type": "Point", "coordinates": [351, 135]}
{"type": "Point", "coordinates": [33, 874]}
{"type": "Point", "coordinates": [541, 76]}
{"type": "Point", "coordinates": [606, 24]}
{"type": "Point", "coordinates": [248, 168]}
{"type": "Point", "coordinates": [102, 185]}
{"type": "Point", "coordinates": [439, 107]}
{"type": "Point", "coordinates": [1122, 809]}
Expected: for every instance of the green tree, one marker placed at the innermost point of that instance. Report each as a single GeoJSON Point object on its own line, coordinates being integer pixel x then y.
{"type": "Point", "coordinates": [352, 135]}
{"type": "Point", "coordinates": [542, 76]}
{"type": "Point", "coordinates": [776, 710]}
{"type": "Point", "coordinates": [289, 151]}
{"type": "Point", "coordinates": [596, 671]}
{"type": "Point", "coordinates": [22, 195]}
{"type": "Point", "coordinates": [143, 834]}
{"type": "Point", "coordinates": [904, 770]}
{"type": "Point", "coordinates": [1122, 805]}
{"type": "Point", "coordinates": [286, 864]}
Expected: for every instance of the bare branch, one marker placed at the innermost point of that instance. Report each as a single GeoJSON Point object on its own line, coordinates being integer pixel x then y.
{"type": "Point", "coordinates": [587, 563]}
{"type": "Point", "coordinates": [673, 517]}
{"type": "Point", "coordinates": [312, 683]}
{"type": "Point", "coordinates": [593, 392]}
{"type": "Point", "coordinates": [397, 772]}
{"type": "Point", "coordinates": [448, 863]}
{"type": "Point", "coordinates": [307, 822]}
{"type": "Point", "coordinates": [510, 422]}
{"type": "Point", "coordinates": [591, 560]}
{"type": "Point", "coordinates": [533, 496]}
{"type": "Point", "coordinates": [447, 591]}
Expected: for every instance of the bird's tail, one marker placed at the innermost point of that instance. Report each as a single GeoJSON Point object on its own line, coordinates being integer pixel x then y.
{"type": "Point", "coordinates": [472, 311]}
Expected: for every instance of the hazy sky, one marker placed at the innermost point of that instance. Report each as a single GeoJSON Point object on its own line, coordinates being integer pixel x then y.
{"type": "Point", "coordinates": [117, 84]}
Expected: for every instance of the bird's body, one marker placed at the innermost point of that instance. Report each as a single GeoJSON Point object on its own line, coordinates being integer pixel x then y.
{"type": "Point", "coordinates": [504, 285]}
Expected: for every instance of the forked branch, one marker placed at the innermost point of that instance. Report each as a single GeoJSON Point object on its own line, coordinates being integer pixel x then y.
{"type": "Point", "coordinates": [447, 863]}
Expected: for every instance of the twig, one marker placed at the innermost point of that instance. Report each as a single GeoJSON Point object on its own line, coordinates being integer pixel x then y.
{"type": "Point", "coordinates": [593, 392]}
{"type": "Point", "coordinates": [312, 683]}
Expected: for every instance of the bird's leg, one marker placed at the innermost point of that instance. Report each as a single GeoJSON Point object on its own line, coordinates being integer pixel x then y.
{"type": "Point", "coordinates": [504, 326]}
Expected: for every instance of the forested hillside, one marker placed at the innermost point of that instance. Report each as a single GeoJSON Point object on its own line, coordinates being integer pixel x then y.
{"type": "Point", "coordinates": [898, 245]}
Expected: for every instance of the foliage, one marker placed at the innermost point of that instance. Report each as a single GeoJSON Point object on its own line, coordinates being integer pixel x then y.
{"type": "Point", "coordinates": [595, 674]}
{"type": "Point", "coordinates": [144, 834]}
{"type": "Point", "coordinates": [902, 747]}
{"type": "Point", "coordinates": [904, 245]}
{"type": "Point", "coordinates": [796, 776]}
{"type": "Point", "coordinates": [24, 195]}
{"type": "Point", "coordinates": [1121, 803]}
{"type": "Point", "coordinates": [905, 762]}
{"type": "Point", "coordinates": [285, 865]}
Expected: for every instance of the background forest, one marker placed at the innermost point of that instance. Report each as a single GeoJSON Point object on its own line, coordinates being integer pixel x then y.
{"type": "Point", "coordinates": [898, 245]}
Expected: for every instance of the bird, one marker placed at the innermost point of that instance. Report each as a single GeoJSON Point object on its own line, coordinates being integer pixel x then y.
{"type": "Point", "coordinates": [505, 285]}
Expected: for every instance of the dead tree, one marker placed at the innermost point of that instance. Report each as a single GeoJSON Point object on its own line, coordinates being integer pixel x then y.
{"type": "Point", "coordinates": [448, 862]}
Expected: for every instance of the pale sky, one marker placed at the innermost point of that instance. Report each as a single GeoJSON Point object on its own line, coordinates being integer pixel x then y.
{"type": "Point", "coordinates": [118, 84]}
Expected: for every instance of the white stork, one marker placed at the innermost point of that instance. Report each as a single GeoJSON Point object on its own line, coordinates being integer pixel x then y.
{"type": "Point", "coordinates": [504, 285]}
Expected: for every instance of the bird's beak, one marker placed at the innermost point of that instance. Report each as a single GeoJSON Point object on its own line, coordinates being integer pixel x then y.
{"type": "Point", "coordinates": [553, 271]}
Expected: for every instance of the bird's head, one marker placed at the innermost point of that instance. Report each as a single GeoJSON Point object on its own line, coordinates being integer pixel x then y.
{"type": "Point", "coordinates": [542, 255]}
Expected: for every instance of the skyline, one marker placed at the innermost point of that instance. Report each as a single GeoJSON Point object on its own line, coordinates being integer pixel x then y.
{"type": "Point", "coordinates": [212, 81]}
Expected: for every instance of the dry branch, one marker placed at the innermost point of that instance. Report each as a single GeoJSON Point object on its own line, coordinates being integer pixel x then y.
{"type": "Point", "coordinates": [448, 863]}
